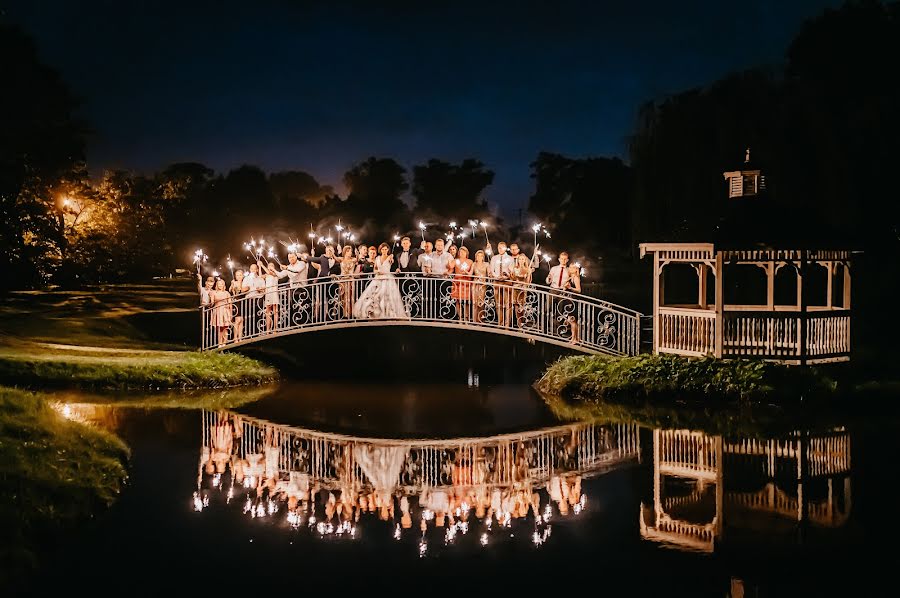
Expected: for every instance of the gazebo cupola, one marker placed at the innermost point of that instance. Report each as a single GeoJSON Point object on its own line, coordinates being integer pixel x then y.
{"type": "Point", "coordinates": [769, 295]}
{"type": "Point", "coordinates": [746, 182]}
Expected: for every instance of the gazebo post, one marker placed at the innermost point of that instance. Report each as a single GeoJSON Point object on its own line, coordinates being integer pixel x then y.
{"type": "Point", "coordinates": [702, 271]}
{"type": "Point", "coordinates": [802, 304]}
{"type": "Point", "coordinates": [720, 303]}
{"type": "Point", "coordinates": [656, 321]}
{"type": "Point", "coordinates": [846, 302]}
{"type": "Point", "coordinates": [829, 288]}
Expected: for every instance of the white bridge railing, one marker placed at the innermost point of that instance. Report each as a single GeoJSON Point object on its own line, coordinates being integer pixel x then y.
{"type": "Point", "coordinates": [517, 309]}
{"type": "Point", "coordinates": [503, 461]}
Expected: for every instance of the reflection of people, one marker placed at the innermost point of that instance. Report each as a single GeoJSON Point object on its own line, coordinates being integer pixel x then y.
{"type": "Point", "coordinates": [381, 299]}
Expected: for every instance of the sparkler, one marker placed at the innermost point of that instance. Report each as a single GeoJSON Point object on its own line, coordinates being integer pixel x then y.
{"type": "Point", "coordinates": [422, 227]}
{"type": "Point", "coordinates": [484, 226]}
{"type": "Point", "coordinates": [200, 258]}
{"type": "Point", "coordinates": [231, 265]}
{"type": "Point", "coordinates": [535, 228]}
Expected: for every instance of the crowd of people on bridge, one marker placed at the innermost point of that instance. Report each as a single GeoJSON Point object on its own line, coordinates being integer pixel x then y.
{"type": "Point", "coordinates": [367, 282]}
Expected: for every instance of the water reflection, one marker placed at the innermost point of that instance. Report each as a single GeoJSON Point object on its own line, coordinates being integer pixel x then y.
{"type": "Point", "coordinates": [429, 491]}
{"type": "Point", "coordinates": [703, 482]}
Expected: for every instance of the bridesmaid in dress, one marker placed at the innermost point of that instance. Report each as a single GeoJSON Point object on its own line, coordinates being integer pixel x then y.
{"type": "Point", "coordinates": [521, 277]}
{"type": "Point", "coordinates": [348, 268]}
{"type": "Point", "coordinates": [479, 288]}
{"type": "Point", "coordinates": [221, 300]}
{"type": "Point", "coordinates": [461, 268]}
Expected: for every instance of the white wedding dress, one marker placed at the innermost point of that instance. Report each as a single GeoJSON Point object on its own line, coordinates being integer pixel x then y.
{"type": "Point", "coordinates": [381, 299]}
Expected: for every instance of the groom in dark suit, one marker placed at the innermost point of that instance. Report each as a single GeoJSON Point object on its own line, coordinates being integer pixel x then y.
{"type": "Point", "coordinates": [406, 259]}
{"type": "Point", "coordinates": [325, 266]}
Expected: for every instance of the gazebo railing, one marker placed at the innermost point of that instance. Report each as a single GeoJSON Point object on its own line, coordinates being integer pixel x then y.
{"type": "Point", "coordinates": [766, 334]}
{"type": "Point", "coordinates": [518, 309]}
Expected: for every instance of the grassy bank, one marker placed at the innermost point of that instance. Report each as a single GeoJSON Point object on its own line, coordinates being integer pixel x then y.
{"type": "Point", "coordinates": [53, 473]}
{"type": "Point", "coordinates": [47, 365]}
{"type": "Point", "coordinates": [212, 400]}
{"type": "Point", "coordinates": [670, 378]}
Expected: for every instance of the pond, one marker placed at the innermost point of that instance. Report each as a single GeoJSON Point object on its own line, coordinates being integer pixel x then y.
{"type": "Point", "coordinates": [463, 479]}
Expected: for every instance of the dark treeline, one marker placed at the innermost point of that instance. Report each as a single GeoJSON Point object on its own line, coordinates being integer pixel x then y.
{"type": "Point", "coordinates": [822, 127]}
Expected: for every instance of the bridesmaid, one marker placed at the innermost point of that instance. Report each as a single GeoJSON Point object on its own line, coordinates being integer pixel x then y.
{"type": "Point", "coordinates": [573, 285]}
{"type": "Point", "coordinates": [236, 289]}
{"type": "Point", "coordinates": [521, 277]}
{"type": "Point", "coordinates": [480, 275]}
{"type": "Point", "coordinates": [221, 301]}
{"type": "Point", "coordinates": [462, 286]}
{"type": "Point", "coordinates": [348, 267]}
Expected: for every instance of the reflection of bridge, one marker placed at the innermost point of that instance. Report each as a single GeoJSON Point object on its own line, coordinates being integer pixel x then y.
{"type": "Point", "coordinates": [799, 461]}
{"type": "Point", "coordinates": [338, 462]}
{"type": "Point", "coordinates": [514, 309]}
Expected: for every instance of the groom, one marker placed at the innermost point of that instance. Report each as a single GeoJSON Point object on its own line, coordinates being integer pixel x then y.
{"type": "Point", "coordinates": [406, 259]}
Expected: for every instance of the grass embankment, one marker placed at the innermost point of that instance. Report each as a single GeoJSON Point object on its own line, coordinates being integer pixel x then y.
{"type": "Point", "coordinates": [113, 338]}
{"type": "Point", "coordinates": [47, 365]}
{"type": "Point", "coordinates": [53, 473]}
{"type": "Point", "coordinates": [671, 378]}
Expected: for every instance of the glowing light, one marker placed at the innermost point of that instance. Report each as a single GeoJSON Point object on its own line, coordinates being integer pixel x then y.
{"type": "Point", "coordinates": [397, 532]}
{"type": "Point", "coordinates": [423, 548]}
{"type": "Point", "coordinates": [484, 539]}
{"type": "Point", "coordinates": [547, 257]}
{"type": "Point", "coordinates": [311, 235]}
{"type": "Point", "coordinates": [215, 273]}
{"type": "Point", "coordinates": [396, 238]}
{"type": "Point", "coordinates": [536, 227]}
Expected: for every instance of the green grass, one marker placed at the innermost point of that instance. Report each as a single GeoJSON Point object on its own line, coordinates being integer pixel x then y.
{"type": "Point", "coordinates": [53, 473]}
{"type": "Point", "coordinates": [212, 400]}
{"type": "Point", "coordinates": [55, 366]}
{"type": "Point", "coordinates": [670, 378]}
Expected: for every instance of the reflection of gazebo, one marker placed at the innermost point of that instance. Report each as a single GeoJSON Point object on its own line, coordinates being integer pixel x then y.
{"type": "Point", "coordinates": [802, 478]}
{"type": "Point", "coordinates": [805, 322]}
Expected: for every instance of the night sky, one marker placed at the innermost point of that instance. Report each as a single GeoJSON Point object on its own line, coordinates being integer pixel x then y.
{"type": "Point", "coordinates": [319, 86]}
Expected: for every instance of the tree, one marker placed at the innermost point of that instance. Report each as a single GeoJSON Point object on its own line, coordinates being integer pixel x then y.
{"type": "Point", "coordinates": [42, 141]}
{"type": "Point", "coordinates": [451, 191]}
{"type": "Point", "coordinates": [586, 201]}
{"type": "Point", "coordinates": [375, 187]}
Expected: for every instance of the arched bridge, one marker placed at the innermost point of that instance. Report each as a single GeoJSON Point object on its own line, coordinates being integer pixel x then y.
{"type": "Point", "coordinates": [521, 310]}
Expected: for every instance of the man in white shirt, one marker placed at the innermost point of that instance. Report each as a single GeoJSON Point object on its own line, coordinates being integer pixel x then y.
{"type": "Point", "coordinates": [424, 259]}
{"type": "Point", "coordinates": [440, 259]}
{"type": "Point", "coordinates": [296, 271]}
{"type": "Point", "coordinates": [500, 266]}
{"type": "Point", "coordinates": [559, 274]}
{"type": "Point", "coordinates": [254, 285]}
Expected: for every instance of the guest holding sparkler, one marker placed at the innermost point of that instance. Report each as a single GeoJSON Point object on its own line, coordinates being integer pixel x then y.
{"type": "Point", "coordinates": [573, 285]}
{"type": "Point", "coordinates": [500, 267]}
{"type": "Point", "coordinates": [561, 308]}
{"type": "Point", "coordinates": [424, 258]}
{"type": "Point", "coordinates": [366, 264]}
{"type": "Point", "coordinates": [327, 266]}
{"type": "Point", "coordinates": [480, 274]}
{"type": "Point", "coordinates": [205, 290]}
{"type": "Point", "coordinates": [348, 267]}
{"type": "Point", "coordinates": [237, 288]}
{"type": "Point", "coordinates": [461, 269]}
{"type": "Point", "coordinates": [221, 316]}
{"type": "Point", "coordinates": [406, 259]}
{"type": "Point", "coordinates": [520, 275]}
{"type": "Point", "coordinates": [271, 302]}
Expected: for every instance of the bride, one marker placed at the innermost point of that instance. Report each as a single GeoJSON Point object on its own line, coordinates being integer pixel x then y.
{"type": "Point", "coordinates": [381, 299]}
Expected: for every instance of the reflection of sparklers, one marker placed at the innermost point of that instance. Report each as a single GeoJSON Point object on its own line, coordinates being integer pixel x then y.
{"type": "Point", "coordinates": [484, 539]}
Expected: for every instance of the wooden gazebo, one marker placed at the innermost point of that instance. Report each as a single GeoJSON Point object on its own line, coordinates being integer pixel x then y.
{"type": "Point", "coordinates": [812, 326]}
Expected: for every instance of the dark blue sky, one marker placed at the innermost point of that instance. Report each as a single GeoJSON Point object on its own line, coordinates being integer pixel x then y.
{"type": "Point", "coordinates": [319, 86]}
